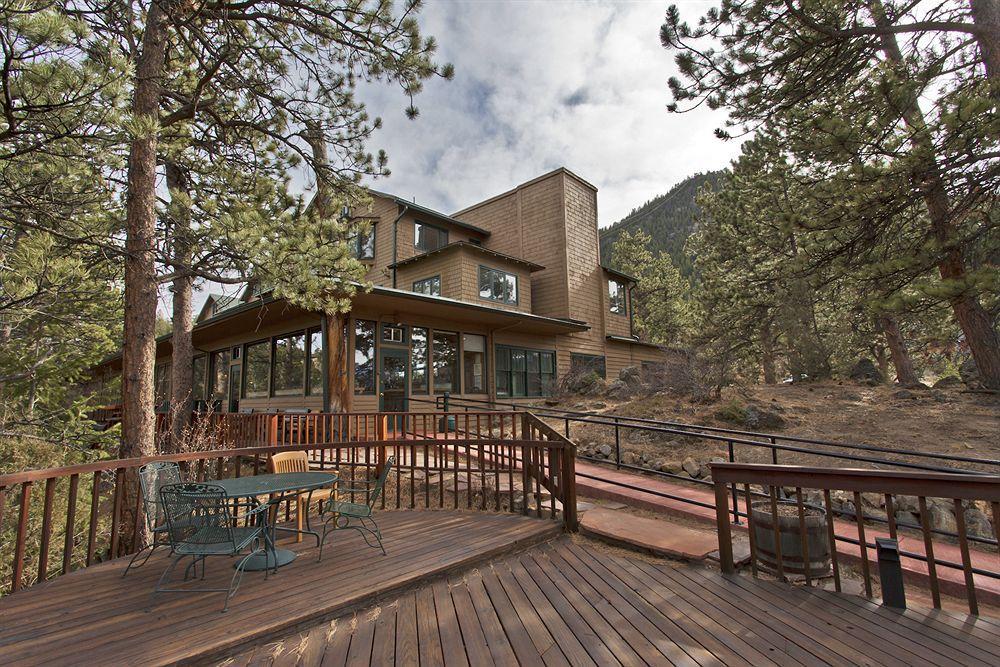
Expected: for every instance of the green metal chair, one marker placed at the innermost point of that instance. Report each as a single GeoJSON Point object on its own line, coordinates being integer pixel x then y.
{"type": "Point", "coordinates": [152, 478]}
{"type": "Point", "coordinates": [346, 513]}
{"type": "Point", "coordinates": [200, 524]}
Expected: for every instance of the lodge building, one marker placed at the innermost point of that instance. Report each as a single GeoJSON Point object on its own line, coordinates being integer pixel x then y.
{"type": "Point", "coordinates": [496, 301]}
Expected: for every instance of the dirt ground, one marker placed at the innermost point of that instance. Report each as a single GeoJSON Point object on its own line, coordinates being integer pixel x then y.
{"type": "Point", "coordinates": [946, 420]}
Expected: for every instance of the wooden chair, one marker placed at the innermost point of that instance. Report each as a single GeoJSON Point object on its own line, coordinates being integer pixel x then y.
{"type": "Point", "coordinates": [299, 462]}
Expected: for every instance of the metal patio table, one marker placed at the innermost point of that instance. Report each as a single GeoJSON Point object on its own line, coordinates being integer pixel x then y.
{"type": "Point", "coordinates": [280, 486]}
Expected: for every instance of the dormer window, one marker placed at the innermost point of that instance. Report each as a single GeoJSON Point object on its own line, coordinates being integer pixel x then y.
{"type": "Point", "coordinates": [427, 238]}
{"type": "Point", "coordinates": [616, 297]}
{"type": "Point", "coordinates": [497, 285]}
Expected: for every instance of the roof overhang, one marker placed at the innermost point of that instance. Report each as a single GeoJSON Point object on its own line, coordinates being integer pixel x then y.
{"type": "Point", "coordinates": [531, 266]}
{"type": "Point", "coordinates": [423, 210]}
{"type": "Point", "coordinates": [619, 274]}
{"type": "Point", "coordinates": [402, 302]}
{"type": "Point", "coordinates": [633, 341]}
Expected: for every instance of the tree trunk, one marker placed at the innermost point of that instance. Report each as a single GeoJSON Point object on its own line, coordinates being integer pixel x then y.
{"type": "Point", "coordinates": [986, 16]}
{"type": "Point", "coordinates": [767, 352]}
{"type": "Point", "coordinates": [883, 362]}
{"type": "Point", "coordinates": [182, 360]}
{"type": "Point", "coordinates": [975, 322]}
{"type": "Point", "coordinates": [905, 374]}
{"type": "Point", "coordinates": [141, 287]}
{"type": "Point", "coordinates": [335, 347]}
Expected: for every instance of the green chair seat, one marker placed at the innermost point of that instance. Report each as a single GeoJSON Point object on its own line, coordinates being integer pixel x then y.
{"type": "Point", "coordinates": [214, 541]}
{"type": "Point", "coordinates": [357, 510]}
{"type": "Point", "coordinates": [342, 513]}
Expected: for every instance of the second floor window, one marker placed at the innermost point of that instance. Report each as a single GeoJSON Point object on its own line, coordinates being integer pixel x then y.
{"type": "Point", "coordinates": [431, 286]}
{"type": "Point", "coordinates": [363, 244]}
{"type": "Point", "coordinates": [497, 285]}
{"type": "Point", "coordinates": [616, 297]}
{"type": "Point", "coordinates": [428, 237]}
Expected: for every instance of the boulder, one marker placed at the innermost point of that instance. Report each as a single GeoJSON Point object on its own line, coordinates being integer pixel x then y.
{"type": "Point", "coordinates": [942, 519]}
{"type": "Point", "coordinates": [906, 504]}
{"type": "Point", "coordinates": [866, 372]}
{"type": "Point", "coordinates": [674, 467]}
{"type": "Point", "coordinates": [977, 523]}
{"type": "Point", "coordinates": [618, 390]}
{"type": "Point", "coordinates": [948, 381]}
{"type": "Point", "coordinates": [631, 376]}
{"type": "Point", "coordinates": [756, 417]}
{"type": "Point", "coordinates": [605, 451]}
{"type": "Point", "coordinates": [971, 376]}
{"type": "Point", "coordinates": [691, 467]}
{"type": "Point", "coordinates": [904, 394]}
{"type": "Point", "coordinates": [904, 518]}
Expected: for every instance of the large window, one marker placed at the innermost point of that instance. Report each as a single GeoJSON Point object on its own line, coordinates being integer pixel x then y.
{"type": "Point", "coordinates": [428, 237]}
{"type": "Point", "coordinates": [315, 379]}
{"type": "Point", "coordinates": [616, 297]}
{"type": "Point", "coordinates": [431, 286]}
{"type": "Point", "coordinates": [445, 361]}
{"type": "Point", "coordinates": [497, 285]}
{"type": "Point", "coordinates": [523, 372]}
{"type": "Point", "coordinates": [198, 371]}
{"type": "Point", "coordinates": [474, 363]}
{"type": "Point", "coordinates": [364, 357]}
{"type": "Point", "coordinates": [256, 369]}
{"type": "Point", "coordinates": [588, 362]}
{"type": "Point", "coordinates": [289, 373]}
{"type": "Point", "coordinates": [161, 383]}
{"type": "Point", "coordinates": [218, 371]}
{"type": "Point", "coordinates": [418, 360]}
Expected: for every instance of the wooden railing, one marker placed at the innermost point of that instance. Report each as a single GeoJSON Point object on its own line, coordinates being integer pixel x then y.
{"type": "Point", "coordinates": [491, 461]}
{"type": "Point", "coordinates": [960, 491]}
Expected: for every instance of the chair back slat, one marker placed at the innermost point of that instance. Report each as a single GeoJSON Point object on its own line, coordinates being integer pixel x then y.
{"type": "Point", "coordinates": [152, 478]}
{"type": "Point", "coordinates": [289, 462]}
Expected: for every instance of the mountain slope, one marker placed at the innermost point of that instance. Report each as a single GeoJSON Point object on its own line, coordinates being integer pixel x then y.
{"type": "Point", "coordinates": [669, 219]}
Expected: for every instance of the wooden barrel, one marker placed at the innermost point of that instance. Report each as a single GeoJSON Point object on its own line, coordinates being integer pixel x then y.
{"type": "Point", "coordinates": [792, 556]}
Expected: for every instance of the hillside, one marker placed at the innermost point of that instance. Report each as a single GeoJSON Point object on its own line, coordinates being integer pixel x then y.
{"type": "Point", "coordinates": [669, 219]}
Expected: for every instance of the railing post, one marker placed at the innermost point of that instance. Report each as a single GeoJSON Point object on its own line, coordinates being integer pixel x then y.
{"type": "Point", "coordinates": [446, 401]}
{"type": "Point", "coordinates": [618, 446]}
{"type": "Point", "coordinates": [890, 573]}
{"type": "Point", "coordinates": [272, 430]}
{"type": "Point", "coordinates": [569, 487]}
{"type": "Point", "coordinates": [722, 525]}
{"type": "Point", "coordinates": [736, 507]}
{"type": "Point", "coordinates": [567, 428]}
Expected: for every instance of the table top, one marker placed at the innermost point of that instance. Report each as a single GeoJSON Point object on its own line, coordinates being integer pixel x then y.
{"type": "Point", "coordinates": [258, 485]}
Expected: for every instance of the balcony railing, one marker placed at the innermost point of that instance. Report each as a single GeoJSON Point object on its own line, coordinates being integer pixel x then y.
{"type": "Point", "coordinates": [489, 461]}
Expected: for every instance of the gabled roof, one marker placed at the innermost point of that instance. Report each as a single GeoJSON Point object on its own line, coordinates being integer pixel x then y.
{"type": "Point", "coordinates": [216, 304]}
{"type": "Point", "coordinates": [531, 266]}
{"type": "Point", "coordinates": [417, 208]}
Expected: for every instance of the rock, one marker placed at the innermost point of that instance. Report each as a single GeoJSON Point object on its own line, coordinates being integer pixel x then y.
{"type": "Point", "coordinates": [674, 467]}
{"type": "Point", "coordinates": [618, 390]}
{"type": "Point", "coordinates": [904, 394]}
{"type": "Point", "coordinates": [906, 504]}
{"type": "Point", "coordinates": [599, 406]}
{"type": "Point", "coordinates": [551, 401]}
{"type": "Point", "coordinates": [756, 417]}
{"type": "Point", "coordinates": [873, 500]}
{"type": "Point", "coordinates": [970, 374]}
{"type": "Point", "coordinates": [691, 467]}
{"type": "Point", "coordinates": [948, 381]}
{"type": "Point", "coordinates": [865, 371]}
{"type": "Point", "coordinates": [604, 450]}
{"type": "Point", "coordinates": [942, 519]}
{"type": "Point", "coordinates": [852, 396]}
{"type": "Point", "coordinates": [631, 376]}
{"type": "Point", "coordinates": [916, 386]}
{"type": "Point", "coordinates": [977, 523]}
{"type": "Point", "coordinates": [907, 518]}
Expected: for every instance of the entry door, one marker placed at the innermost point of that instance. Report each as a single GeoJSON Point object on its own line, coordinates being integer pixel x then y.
{"type": "Point", "coordinates": [393, 376]}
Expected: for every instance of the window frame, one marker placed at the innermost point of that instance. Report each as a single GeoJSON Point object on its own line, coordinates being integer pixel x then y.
{"type": "Point", "coordinates": [246, 368]}
{"type": "Point", "coordinates": [485, 270]}
{"type": "Point", "coordinates": [432, 280]}
{"type": "Point", "coordinates": [374, 359]}
{"type": "Point", "coordinates": [310, 332]}
{"type": "Point", "coordinates": [356, 244]}
{"type": "Point", "coordinates": [441, 230]}
{"type": "Point", "coordinates": [386, 326]}
{"type": "Point", "coordinates": [485, 389]}
{"type": "Point", "coordinates": [588, 360]}
{"type": "Point", "coordinates": [544, 390]}
{"type": "Point", "coordinates": [426, 388]}
{"type": "Point", "coordinates": [456, 378]}
{"type": "Point", "coordinates": [613, 300]}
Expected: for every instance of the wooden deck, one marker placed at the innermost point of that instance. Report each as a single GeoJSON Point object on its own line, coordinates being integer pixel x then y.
{"type": "Point", "coordinates": [465, 588]}
{"type": "Point", "coordinates": [94, 616]}
{"type": "Point", "coordinates": [571, 603]}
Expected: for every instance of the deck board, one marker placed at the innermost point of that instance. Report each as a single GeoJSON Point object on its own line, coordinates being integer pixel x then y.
{"type": "Point", "coordinates": [466, 588]}
{"type": "Point", "coordinates": [563, 598]}
{"type": "Point", "coordinates": [98, 612]}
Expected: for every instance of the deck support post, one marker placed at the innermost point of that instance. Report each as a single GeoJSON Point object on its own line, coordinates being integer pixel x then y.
{"type": "Point", "coordinates": [725, 532]}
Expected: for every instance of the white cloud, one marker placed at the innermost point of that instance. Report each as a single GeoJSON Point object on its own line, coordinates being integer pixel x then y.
{"type": "Point", "coordinates": [540, 85]}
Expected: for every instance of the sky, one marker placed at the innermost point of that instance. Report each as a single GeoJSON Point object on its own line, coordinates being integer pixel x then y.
{"type": "Point", "coordinates": [538, 85]}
